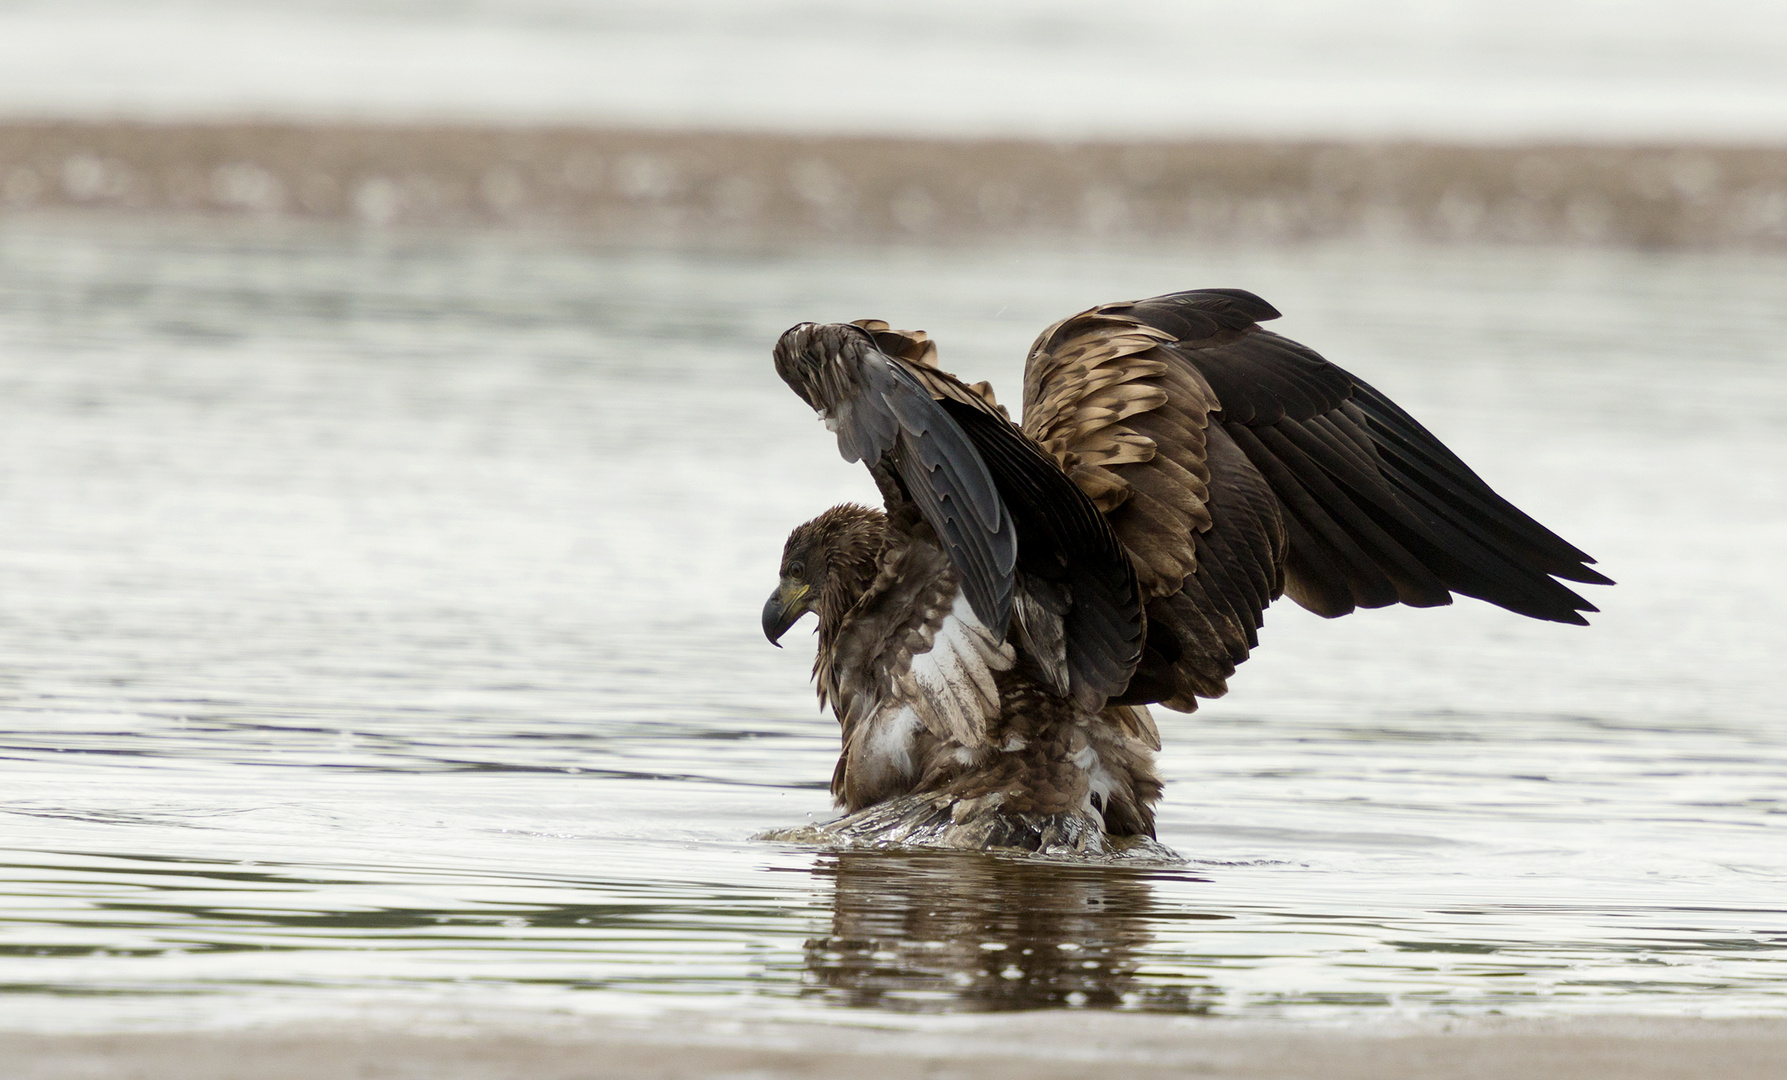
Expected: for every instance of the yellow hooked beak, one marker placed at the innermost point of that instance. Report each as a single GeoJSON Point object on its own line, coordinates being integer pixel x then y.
{"type": "Point", "coordinates": [785, 607]}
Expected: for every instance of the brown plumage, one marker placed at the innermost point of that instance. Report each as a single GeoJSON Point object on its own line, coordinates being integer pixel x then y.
{"type": "Point", "coordinates": [990, 643]}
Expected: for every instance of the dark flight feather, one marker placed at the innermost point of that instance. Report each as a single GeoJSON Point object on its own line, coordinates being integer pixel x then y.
{"type": "Point", "coordinates": [1326, 488]}
{"type": "Point", "coordinates": [881, 413]}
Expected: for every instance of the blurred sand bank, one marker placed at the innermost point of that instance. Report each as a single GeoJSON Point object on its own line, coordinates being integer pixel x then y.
{"type": "Point", "coordinates": [1035, 1046]}
{"type": "Point", "coordinates": [684, 187]}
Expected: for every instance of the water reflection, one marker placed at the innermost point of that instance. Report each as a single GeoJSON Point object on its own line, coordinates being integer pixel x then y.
{"type": "Point", "coordinates": [961, 931]}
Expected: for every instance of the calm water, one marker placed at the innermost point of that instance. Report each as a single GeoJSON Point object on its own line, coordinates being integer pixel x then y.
{"type": "Point", "coordinates": [379, 627]}
{"type": "Point", "coordinates": [1313, 69]}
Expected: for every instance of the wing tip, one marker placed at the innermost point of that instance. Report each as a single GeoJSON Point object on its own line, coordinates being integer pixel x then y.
{"type": "Point", "coordinates": [1584, 575]}
{"type": "Point", "coordinates": [1240, 301]}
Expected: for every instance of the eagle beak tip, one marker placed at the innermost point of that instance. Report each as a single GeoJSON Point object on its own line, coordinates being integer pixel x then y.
{"type": "Point", "coordinates": [777, 618]}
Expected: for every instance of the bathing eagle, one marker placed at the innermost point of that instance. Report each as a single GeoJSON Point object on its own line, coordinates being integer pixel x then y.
{"type": "Point", "coordinates": [990, 643]}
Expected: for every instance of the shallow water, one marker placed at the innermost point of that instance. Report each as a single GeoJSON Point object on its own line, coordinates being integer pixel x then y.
{"type": "Point", "coordinates": [378, 627]}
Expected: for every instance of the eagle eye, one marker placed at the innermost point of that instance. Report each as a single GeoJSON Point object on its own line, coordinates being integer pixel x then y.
{"type": "Point", "coordinates": [797, 569]}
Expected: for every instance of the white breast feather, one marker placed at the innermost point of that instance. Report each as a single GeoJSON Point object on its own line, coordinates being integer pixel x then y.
{"type": "Point", "coordinates": [1099, 781]}
{"type": "Point", "coordinates": [886, 745]}
{"type": "Point", "coordinates": [955, 677]}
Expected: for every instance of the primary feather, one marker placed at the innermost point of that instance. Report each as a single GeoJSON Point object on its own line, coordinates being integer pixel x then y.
{"type": "Point", "coordinates": [991, 640]}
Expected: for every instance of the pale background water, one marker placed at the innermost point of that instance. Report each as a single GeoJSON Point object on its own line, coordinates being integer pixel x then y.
{"type": "Point", "coordinates": [379, 628]}
{"type": "Point", "coordinates": [1445, 69]}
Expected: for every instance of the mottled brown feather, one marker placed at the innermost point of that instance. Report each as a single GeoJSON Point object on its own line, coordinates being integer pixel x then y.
{"type": "Point", "coordinates": [1132, 424]}
{"type": "Point", "coordinates": [1326, 489]}
{"type": "Point", "coordinates": [1127, 424]}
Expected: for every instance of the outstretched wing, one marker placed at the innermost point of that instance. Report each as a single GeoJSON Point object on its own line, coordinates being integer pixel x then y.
{"type": "Point", "coordinates": [884, 417]}
{"type": "Point", "coordinates": [1030, 549]}
{"type": "Point", "coordinates": [1235, 464]}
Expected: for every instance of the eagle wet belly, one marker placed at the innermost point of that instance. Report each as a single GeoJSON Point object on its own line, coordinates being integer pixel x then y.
{"type": "Point", "coordinates": [990, 641]}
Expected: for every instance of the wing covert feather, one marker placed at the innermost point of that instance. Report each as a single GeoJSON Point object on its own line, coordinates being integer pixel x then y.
{"type": "Point", "coordinates": [1236, 464]}
{"type": "Point", "coordinates": [1127, 426]}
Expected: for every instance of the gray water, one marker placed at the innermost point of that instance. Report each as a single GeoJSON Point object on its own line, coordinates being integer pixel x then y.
{"type": "Point", "coordinates": [378, 629]}
{"type": "Point", "coordinates": [1469, 70]}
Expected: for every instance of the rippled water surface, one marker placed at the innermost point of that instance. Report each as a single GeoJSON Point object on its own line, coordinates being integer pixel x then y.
{"type": "Point", "coordinates": [378, 626]}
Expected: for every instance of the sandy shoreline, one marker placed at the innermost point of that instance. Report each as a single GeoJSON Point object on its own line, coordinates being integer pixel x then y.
{"type": "Point", "coordinates": [730, 186]}
{"type": "Point", "coordinates": [1034, 1045]}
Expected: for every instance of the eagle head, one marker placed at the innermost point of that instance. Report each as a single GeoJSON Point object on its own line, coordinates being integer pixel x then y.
{"type": "Point", "coordinates": [827, 564]}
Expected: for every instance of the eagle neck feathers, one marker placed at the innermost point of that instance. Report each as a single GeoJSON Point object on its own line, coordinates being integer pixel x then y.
{"type": "Point", "coordinates": [853, 540]}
